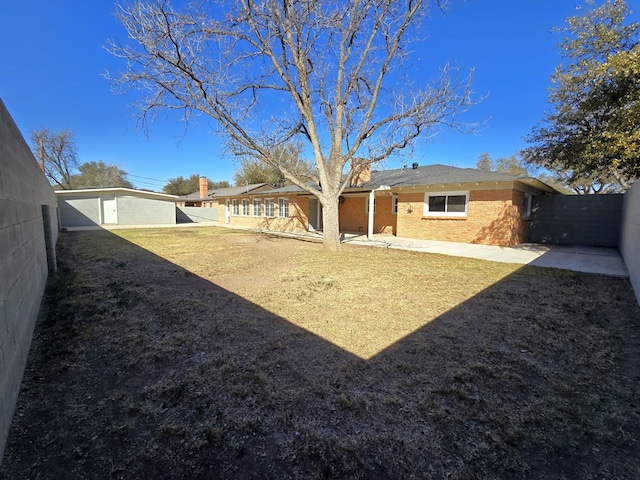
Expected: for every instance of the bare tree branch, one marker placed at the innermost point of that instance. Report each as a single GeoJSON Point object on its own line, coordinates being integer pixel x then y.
{"type": "Point", "coordinates": [60, 155]}
{"type": "Point", "coordinates": [274, 71]}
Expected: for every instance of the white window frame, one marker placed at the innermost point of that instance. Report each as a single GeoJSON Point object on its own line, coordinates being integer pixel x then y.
{"type": "Point", "coordinates": [245, 207]}
{"type": "Point", "coordinates": [269, 207]}
{"type": "Point", "coordinates": [234, 207]}
{"type": "Point", "coordinates": [283, 207]}
{"type": "Point", "coordinates": [256, 207]}
{"type": "Point", "coordinates": [428, 213]}
{"type": "Point", "coordinates": [526, 209]}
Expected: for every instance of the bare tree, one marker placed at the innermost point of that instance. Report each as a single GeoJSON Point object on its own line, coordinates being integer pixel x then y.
{"type": "Point", "coordinates": [339, 75]}
{"type": "Point", "coordinates": [57, 154]}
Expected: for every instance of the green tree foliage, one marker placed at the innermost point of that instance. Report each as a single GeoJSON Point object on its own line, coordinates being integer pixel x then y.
{"type": "Point", "coordinates": [252, 170]}
{"type": "Point", "coordinates": [485, 162]}
{"type": "Point", "coordinates": [185, 186]}
{"type": "Point", "coordinates": [591, 140]}
{"type": "Point", "coordinates": [219, 184]}
{"type": "Point", "coordinates": [99, 175]}
{"type": "Point", "coordinates": [57, 154]}
{"type": "Point", "coordinates": [516, 166]}
{"type": "Point", "coordinates": [342, 77]}
{"type": "Point", "coordinates": [510, 165]}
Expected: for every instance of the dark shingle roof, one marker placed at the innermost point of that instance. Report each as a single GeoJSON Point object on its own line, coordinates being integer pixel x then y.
{"type": "Point", "coordinates": [401, 177]}
{"type": "Point", "coordinates": [233, 191]}
{"type": "Point", "coordinates": [280, 190]}
{"type": "Point", "coordinates": [191, 197]}
{"type": "Point", "coordinates": [223, 192]}
{"type": "Point", "coordinates": [432, 175]}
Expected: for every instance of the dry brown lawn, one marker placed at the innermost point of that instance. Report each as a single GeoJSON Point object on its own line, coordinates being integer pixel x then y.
{"type": "Point", "coordinates": [213, 353]}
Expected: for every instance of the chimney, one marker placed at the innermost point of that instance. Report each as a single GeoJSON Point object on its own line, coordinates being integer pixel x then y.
{"type": "Point", "coordinates": [362, 175]}
{"type": "Point", "coordinates": [204, 187]}
{"type": "Point", "coordinates": [414, 165]}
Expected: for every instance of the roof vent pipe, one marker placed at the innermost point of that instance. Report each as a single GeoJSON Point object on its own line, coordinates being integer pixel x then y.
{"type": "Point", "coordinates": [414, 165]}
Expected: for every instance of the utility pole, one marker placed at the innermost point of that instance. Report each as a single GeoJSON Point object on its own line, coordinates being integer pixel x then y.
{"type": "Point", "coordinates": [41, 145]}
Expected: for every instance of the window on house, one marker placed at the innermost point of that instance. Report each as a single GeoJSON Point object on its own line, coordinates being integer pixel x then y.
{"type": "Point", "coordinates": [245, 207]}
{"type": "Point", "coordinates": [256, 207]}
{"type": "Point", "coordinates": [394, 205]}
{"type": "Point", "coordinates": [268, 207]}
{"type": "Point", "coordinates": [446, 204]}
{"type": "Point", "coordinates": [526, 211]}
{"type": "Point", "coordinates": [235, 209]}
{"type": "Point", "coordinates": [283, 207]}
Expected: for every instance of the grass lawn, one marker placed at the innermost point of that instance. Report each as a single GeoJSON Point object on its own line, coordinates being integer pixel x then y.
{"type": "Point", "coordinates": [213, 353]}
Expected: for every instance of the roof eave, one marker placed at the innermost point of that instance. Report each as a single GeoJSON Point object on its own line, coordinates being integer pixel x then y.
{"type": "Point", "coordinates": [538, 184]}
{"type": "Point", "coordinates": [113, 190]}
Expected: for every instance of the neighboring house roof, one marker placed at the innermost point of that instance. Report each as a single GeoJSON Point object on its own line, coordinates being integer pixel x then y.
{"type": "Point", "coordinates": [222, 192]}
{"type": "Point", "coordinates": [239, 190]}
{"type": "Point", "coordinates": [281, 190]}
{"type": "Point", "coordinates": [190, 197]}
{"type": "Point", "coordinates": [115, 190]}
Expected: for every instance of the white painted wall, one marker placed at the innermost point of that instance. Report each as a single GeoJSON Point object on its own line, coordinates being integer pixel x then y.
{"type": "Point", "coordinates": [115, 206]}
{"type": "Point", "coordinates": [630, 235]}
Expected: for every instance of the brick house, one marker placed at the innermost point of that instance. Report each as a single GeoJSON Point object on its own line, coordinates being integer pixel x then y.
{"type": "Point", "coordinates": [432, 202]}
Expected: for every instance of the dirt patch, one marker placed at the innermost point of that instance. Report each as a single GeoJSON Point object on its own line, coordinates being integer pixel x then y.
{"type": "Point", "coordinates": [212, 353]}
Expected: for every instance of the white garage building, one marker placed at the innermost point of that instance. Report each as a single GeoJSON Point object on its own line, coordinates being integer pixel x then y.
{"type": "Point", "coordinates": [114, 206]}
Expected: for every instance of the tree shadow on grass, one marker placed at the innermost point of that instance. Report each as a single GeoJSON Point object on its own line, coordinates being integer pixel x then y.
{"type": "Point", "coordinates": [140, 369]}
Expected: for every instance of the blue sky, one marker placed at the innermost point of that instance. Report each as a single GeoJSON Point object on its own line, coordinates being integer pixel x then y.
{"type": "Point", "coordinates": [52, 61]}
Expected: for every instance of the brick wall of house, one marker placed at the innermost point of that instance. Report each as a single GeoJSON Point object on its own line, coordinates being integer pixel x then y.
{"type": "Point", "coordinates": [297, 221]}
{"type": "Point", "coordinates": [221, 211]}
{"type": "Point", "coordinates": [354, 217]}
{"type": "Point", "coordinates": [494, 217]}
{"type": "Point", "coordinates": [522, 226]}
{"type": "Point", "coordinates": [384, 220]}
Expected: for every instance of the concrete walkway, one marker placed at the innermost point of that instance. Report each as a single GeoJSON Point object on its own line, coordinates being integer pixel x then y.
{"type": "Point", "coordinates": [601, 261]}
{"type": "Point", "coordinates": [597, 260]}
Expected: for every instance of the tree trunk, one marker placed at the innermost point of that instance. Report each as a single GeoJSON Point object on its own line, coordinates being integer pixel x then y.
{"type": "Point", "coordinates": [331, 226]}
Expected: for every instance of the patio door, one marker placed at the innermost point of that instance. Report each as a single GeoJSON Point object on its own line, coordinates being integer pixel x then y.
{"type": "Point", "coordinates": [315, 215]}
{"type": "Point", "coordinates": [110, 210]}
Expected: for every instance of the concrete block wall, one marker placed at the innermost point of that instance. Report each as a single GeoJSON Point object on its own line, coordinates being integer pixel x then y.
{"type": "Point", "coordinates": [134, 210]}
{"type": "Point", "coordinates": [588, 220]}
{"type": "Point", "coordinates": [196, 214]}
{"type": "Point", "coordinates": [630, 235]}
{"type": "Point", "coordinates": [79, 211]}
{"type": "Point", "coordinates": [28, 233]}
